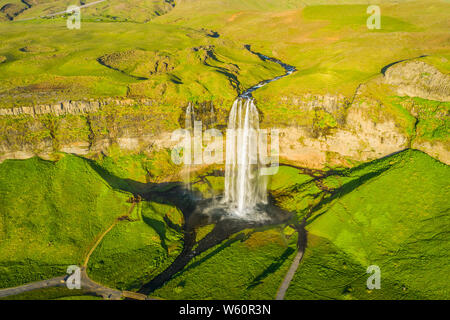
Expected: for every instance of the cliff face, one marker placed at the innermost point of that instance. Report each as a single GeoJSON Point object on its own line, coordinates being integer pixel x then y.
{"type": "Point", "coordinates": [418, 79]}
{"type": "Point", "coordinates": [368, 128]}
{"type": "Point", "coordinates": [339, 130]}
{"type": "Point", "coordinates": [359, 139]}
{"type": "Point", "coordinates": [69, 107]}
{"type": "Point", "coordinates": [84, 128]}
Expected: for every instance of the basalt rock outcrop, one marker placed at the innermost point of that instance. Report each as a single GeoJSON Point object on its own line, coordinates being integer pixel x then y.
{"type": "Point", "coordinates": [70, 107]}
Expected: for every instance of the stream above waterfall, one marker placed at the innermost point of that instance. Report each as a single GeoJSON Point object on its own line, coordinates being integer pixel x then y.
{"type": "Point", "coordinates": [247, 94]}
{"type": "Point", "coordinates": [245, 194]}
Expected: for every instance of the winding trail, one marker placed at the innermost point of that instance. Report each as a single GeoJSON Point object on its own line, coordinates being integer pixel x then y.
{"type": "Point", "coordinates": [87, 284]}
{"type": "Point", "coordinates": [54, 282]}
{"type": "Point", "coordinates": [86, 261]}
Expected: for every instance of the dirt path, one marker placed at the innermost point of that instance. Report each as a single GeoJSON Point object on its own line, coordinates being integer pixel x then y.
{"type": "Point", "coordinates": [86, 261]}
{"type": "Point", "coordinates": [289, 275]}
{"type": "Point", "coordinates": [87, 284]}
{"type": "Point", "coordinates": [100, 290]}
{"type": "Point", "coordinates": [54, 282]}
{"type": "Point", "coordinates": [301, 246]}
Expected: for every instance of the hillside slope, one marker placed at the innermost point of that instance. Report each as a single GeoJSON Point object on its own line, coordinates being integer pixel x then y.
{"type": "Point", "coordinates": [109, 10]}
{"type": "Point", "coordinates": [51, 214]}
{"type": "Point", "coordinates": [392, 212]}
{"type": "Point", "coordinates": [396, 216]}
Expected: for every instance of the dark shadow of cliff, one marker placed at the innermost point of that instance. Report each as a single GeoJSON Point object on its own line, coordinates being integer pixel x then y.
{"type": "Point", "coordinates": [271, 269]}
{"type": "Point", "coordinates": [160, 229]}
{"type": "Point", "coordinates": [380, 166]}
{"type": "Point", "coordinates": [192, 206]}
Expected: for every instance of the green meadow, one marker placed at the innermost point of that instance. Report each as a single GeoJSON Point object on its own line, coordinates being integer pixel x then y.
{"type": "Point", "coordinates": [389, 212]}
{"type": "Point", "coordinates": [392, 212]}
{"type": "Point", "coordinates": [249, 265]}
{"type": "Point", "coordinates": [135, 252]}
{"type": "Point", "coordinates": [327, 41]}
{"type": "Point", "coordinates": [111, 10]}
{"type": "Point", "coordinates": [395, 217]}
{"type": "Point", "coordinates": [329, 44]}
{"type": "Point", "coordinates": [65, 65]}
{"type": "Point", "coordinates": [53, 213]}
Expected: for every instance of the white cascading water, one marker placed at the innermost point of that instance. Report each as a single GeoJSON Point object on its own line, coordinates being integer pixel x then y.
{"type": "Point", "coordinates": [190, 116]}
{"type": "Point", "coordinates": [245, 187]}
{"type": "Point", "coordinates": [189, 124]}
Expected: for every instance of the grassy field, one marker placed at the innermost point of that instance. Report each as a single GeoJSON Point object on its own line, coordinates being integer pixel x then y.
{"type": "Point", "coordinates": [56, 293]}
{"type": "Point", "coordinates": [70, 65]}
{"type": "Point", "coordinates": [391, 212]}
{"type": "Point", "coordinates": [111, 10]}
{"type": "Point", "coordinates": [134, 252]}
{"type": "Point", "coordinates": [252, 265]}
{"type": "Point", "coordinates": [395, 216]}
{"type": "Point", "coordinates": [52, 213]}
{"type": "Point", "coordinates": [330, 45]}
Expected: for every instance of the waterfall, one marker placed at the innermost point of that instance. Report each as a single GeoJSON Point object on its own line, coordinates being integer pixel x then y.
{"type": "Point", "coordinates": [212, 116]}
{"type": "Point", "coordinates": [246, 169]}
{"type": "Point", "coordinates": [245, 187]}
{"type": "Point", "coordinates": [190, 116]}
{"type": "Point", "coordinates": [189, 125]}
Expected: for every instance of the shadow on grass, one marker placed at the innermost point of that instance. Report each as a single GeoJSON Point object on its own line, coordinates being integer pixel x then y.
{"type": "Point", "coordinates": [272, 268]}
{"type": "Point", "coordinates": [227, 244]}
{"type": "Point", "coordinates": [382, 166]}
{"type": "Point", "coordinates": [160, 229]}
{"type": "Point", "coordinates": [219, 238]}
{"type": "Point", "coordinates": [127, 185]}
{"type": "Point", "coordinates": [169, 193]}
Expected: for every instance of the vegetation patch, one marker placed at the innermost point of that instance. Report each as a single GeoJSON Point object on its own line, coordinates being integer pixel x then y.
{"type": "Point", "coordinates": [135, 251]}
{"type": "Point", "coordinates": [36, 48]}
{"type": "Point", "coordinates": [139, 63]}
{"type": "Point", "coordinates": [51, 212]}
{"type": "Point", "coordinates": [252, 265]}
{"type": "Point", "coordinates": [402, 228]}
{"type": "Point", "coordinates": [54, 293]}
